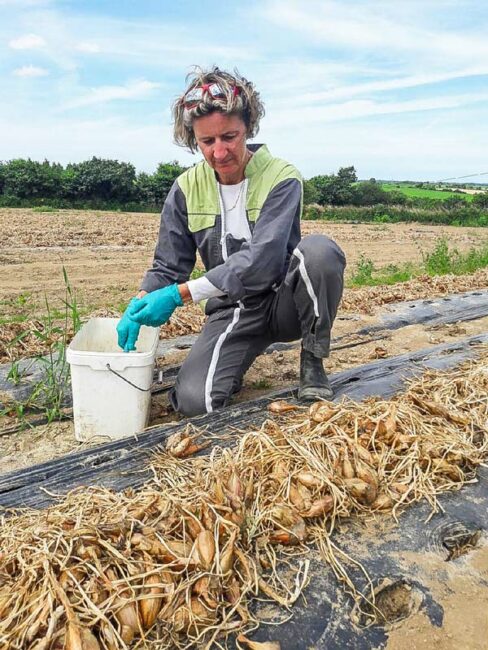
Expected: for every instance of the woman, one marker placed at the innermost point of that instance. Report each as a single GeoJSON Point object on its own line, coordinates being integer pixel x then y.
{"type": "Point", "coordinates": [240, 208]}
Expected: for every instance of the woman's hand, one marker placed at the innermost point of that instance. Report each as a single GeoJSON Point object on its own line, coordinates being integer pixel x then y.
{"type": "Point", "coordinates": [128, 330]}
{"type": "Point", "coordinates": [155, 308]}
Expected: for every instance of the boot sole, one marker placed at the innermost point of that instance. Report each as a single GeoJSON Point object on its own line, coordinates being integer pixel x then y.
{"type": "Point", "coordinates": [315, 394]}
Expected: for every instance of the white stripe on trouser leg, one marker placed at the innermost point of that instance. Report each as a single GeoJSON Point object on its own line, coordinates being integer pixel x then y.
{"type": "Point", "coordinates": [306, 279]}
{"type": "Point", "coordinates": [215, 359]}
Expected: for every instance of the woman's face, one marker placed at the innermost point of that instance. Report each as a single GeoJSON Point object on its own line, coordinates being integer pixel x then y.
{"type": "Point", "coordinates": [222, 140]}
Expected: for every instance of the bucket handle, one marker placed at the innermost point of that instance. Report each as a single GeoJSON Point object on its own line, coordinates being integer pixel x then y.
{"type": "Point", "coordinates": [143, 390]}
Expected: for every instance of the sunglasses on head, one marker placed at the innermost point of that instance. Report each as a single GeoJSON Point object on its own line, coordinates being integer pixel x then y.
{"type": "Point", "coordinates": [195, 95]}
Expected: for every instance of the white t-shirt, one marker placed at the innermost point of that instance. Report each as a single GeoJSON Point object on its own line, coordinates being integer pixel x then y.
{"type": "Point", "coordinates": [234, 204]}
{"type": "Point", "coordinates": [234, 222]}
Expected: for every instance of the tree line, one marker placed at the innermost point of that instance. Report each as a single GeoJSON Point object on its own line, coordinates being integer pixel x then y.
{"type": "Point", "coordinates": [92, 183]}
{"type": "Point", "coordinates": [111, 184]}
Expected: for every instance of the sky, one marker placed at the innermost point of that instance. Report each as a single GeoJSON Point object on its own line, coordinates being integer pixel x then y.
{"type": "Point", "coordinates": [397, 89]}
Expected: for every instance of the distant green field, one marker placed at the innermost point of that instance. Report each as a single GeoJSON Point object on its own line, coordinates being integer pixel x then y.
{"type": "Point", "coordinates": [410, 190]}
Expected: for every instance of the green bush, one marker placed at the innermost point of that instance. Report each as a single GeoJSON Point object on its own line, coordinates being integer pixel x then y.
{"type": "Point", "coordinates": [44, 208]}
{"type": "Point", "coordinates": [66, 204]}
{"type": "Point", "coordinates": [104, 184]}
{"type": "Point", "coordinates": [313, 212]}
{"type": "Point", "coordinates": [468, 215]}
{"type": "Point", "coordinates": [369, 193]}
{"type": "Point", "coordinates": [440, 260]}
{"type": "Point", "coordinates": [363, 272]}
{"type": "Point", "coordinates": [92, 184]}
{"type": "Point", "coordinates": [26, 179]}
{"type": "Point", "coordinates": [481, 200]}
{"type": "Point", "coordinates": [381, 218]}
{"type": "Point", "coordinates": [334, 189]}
{"type": "Point", "coordinates": [99, 179]}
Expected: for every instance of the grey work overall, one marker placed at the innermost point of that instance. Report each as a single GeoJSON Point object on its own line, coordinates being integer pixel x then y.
{"type": "Point", "coordinates": [277, 286]}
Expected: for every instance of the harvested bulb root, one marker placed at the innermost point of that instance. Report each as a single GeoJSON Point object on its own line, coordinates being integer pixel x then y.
{"type": "Point", "coordinates": [177, 561]}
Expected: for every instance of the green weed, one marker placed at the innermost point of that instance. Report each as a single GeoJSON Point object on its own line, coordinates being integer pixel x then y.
{"type": "Point", "coordinates": [16, 309]}
{"type": "Point", "coordinates": [393, 274]}
{"type": "Point", "coordinates": [261, 384]}
{"type": "Point", "coordinates": [440, 261]}
{"type": "Point", "coordinates": [48, 393]}
{"type": "Point", "coordinates": [366, 275]}
{"type": "Point", "coordinates": [44, 208]}
{"type": "Point", "coordinates": [15, 374]}
{"type": "Point", "coordinates": [15, 318]}
{"type": "Point", "coordinates": [197, 273]}
{"type": "Point", "coordinates": [443, 260]}
{"type": "Point", "coordinates": [363, 272]}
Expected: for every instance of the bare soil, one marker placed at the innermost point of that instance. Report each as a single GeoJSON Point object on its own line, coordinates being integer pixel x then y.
{"type": "Point", "coordinates": [460, 588]}
{"type": "Point", "coordinates": [106, 253]}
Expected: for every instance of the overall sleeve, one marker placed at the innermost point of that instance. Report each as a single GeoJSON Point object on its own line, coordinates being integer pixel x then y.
{"type": "Point", "coordinates": [260, 263]}
{"type": "Point", "coordinates": [175, 254]}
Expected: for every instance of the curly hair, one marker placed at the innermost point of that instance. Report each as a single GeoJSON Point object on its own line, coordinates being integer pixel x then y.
{"type": "Point", "coordinates": [247, 104]}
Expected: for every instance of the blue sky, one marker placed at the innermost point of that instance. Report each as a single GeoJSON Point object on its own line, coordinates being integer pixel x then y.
{"type": "Point", "coordinates": [398, 89]}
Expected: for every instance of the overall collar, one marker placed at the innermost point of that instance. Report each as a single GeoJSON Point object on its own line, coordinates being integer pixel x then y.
{"type": "Point", "coordinates": [258, 162]}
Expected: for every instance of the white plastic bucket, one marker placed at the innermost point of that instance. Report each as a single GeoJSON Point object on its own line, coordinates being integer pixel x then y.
{"type": "Point", "coordinates": [103, 403]}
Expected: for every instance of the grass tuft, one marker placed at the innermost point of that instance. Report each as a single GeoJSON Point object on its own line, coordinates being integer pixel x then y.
{"type": "Point", "coordinates": [44, 208]}
{"type": "Point", "coordinates": [48, 393]}
{"type": "Point", "coordinates": [440, 261]}
{"type": "Point", "coordinates": [261, 384]}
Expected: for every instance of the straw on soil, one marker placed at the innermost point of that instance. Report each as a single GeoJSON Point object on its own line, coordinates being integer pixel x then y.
{"type": "Point", "coordinates": [28, 338]}
{"type": "Point", "coordinates": [178, 562]}
{"type": "Point", "coordinates": [365, 299]}
{"type": "Point", "coordinates": [191, 318]}
{"type": "Point", "coordinates": [25, 339]}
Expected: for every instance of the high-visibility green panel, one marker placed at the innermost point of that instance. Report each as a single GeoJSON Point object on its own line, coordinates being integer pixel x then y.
{"type": "Point", "coordinates": [199, 186]}
{"type": "Point", "coordinates": [265, 173]}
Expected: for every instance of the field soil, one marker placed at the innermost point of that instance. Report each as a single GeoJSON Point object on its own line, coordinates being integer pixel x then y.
{"type": "Point", "coordinates": [460, 587]}
{"type": "Point", "coordinates": [105, 255]}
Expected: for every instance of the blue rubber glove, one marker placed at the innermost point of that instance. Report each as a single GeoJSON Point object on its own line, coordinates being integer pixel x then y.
{"type": "Point", "coordinates": [128, 330]}
{"type": "Point", "coordinates": [155, 308]}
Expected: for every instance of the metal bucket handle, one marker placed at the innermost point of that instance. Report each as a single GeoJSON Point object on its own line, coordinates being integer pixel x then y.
{"type": "Point", "coordinates": [143, 390]}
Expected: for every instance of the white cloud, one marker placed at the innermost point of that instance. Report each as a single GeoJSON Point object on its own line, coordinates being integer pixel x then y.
{"type": "Point", "coordinates": [406, 148]}
{"type": "Point", "coordinates": [90, 48]}
{"type": "Point", "coordinates": [27, 42]}
{"type": "Point", "coordinates": [388, 30]}
{"type": "Point", "coordinates": [104, 94]}
{"type": "Point", "coordinates": [30, 71]}
{"type": "Point", "coordinates": [356, 109]}
{"type": "Point", "coordinates": [72, 140]}
{"type": "Point", "coordinates": [411, 81]}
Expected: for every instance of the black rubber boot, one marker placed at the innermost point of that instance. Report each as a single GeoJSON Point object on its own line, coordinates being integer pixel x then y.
{"type": "Point", "coordinates": [314, 384]}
